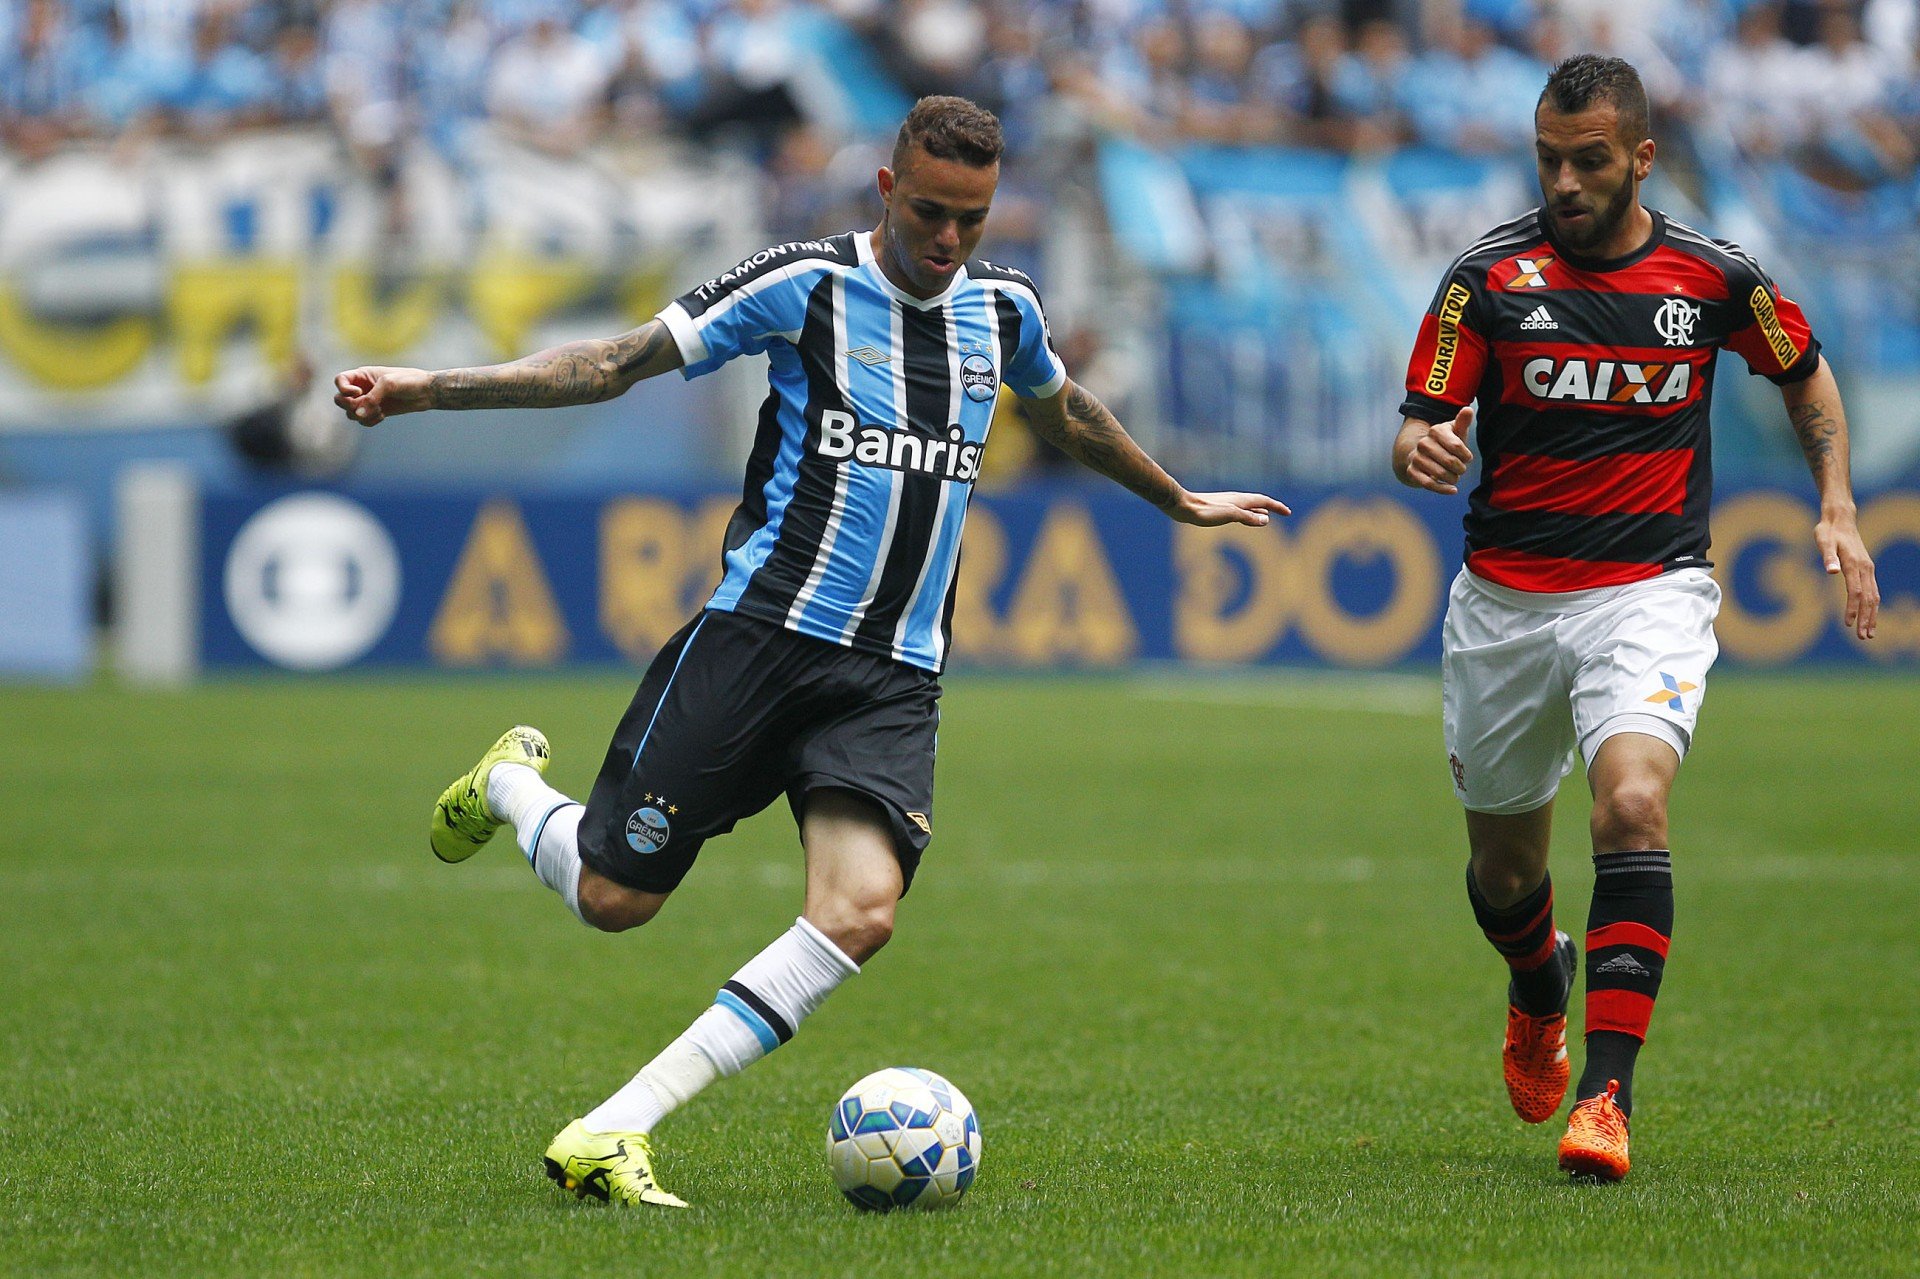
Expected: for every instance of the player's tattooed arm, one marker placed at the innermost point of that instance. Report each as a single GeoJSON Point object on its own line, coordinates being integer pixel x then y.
{"type": "Point", "coordinates": [1820, 423]}
{"type": "Point", "coordinates": [1817, 428]}
{"type": "Point", "coordinates": [583, 372]}
{"type": "Point", "coordinates": [1079, 425]}
{"type": "Point", "coordinates": [1074, 421]}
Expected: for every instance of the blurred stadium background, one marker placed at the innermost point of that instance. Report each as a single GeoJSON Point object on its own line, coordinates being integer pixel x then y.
{"type": "Point", "coordinates": [1166, 903]}
{"type": "Point", "coordinates": [1236, 210]}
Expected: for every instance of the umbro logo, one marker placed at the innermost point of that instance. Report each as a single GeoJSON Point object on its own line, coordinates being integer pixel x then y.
{"type": "Point", "coordinates": [1539, 318]}
{"type": "Point", "coordinates": [869, 356]}
{"type": "Point", "coordinates": [1626, 964]}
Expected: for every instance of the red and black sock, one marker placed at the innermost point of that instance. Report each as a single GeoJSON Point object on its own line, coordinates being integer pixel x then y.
{"type": "Point", "coordinates": [1627, 932]}
{"type": "Point", "coordinates": [1523, 934]}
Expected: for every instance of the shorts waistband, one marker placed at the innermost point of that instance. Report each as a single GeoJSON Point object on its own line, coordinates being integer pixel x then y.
{"type": "Point", "coordinates": [1576, 601]}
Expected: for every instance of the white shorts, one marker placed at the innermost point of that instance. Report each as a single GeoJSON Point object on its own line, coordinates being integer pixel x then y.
{"type": "Point", "coordinates": [1527, 676]}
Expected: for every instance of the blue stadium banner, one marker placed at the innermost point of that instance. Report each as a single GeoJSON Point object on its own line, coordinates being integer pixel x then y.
{"type": "Point", "coordinates": [1052, 576]}
{"type": "Point", "coordinates": [46, 586]}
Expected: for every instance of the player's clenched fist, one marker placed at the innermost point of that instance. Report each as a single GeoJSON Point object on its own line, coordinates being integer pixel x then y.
{"type": "Point", "coordinates": [368, 395]}
{"type": "Point", "coordinates": [1434, 455]}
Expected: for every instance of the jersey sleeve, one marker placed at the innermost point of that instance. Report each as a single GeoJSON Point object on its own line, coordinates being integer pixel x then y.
{"type": "Point", "coordinates": [1034, 369]}
{"type": "Point", "coordinates": [740, 312]}
{"type": "Point", "coordinates": [1450, 354]}
{"type": "Point", "coordinates": [1769, 331]}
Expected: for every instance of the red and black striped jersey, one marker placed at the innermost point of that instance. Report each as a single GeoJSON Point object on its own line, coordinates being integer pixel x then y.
{"type": "Point", "coordinates": [1593, 380]}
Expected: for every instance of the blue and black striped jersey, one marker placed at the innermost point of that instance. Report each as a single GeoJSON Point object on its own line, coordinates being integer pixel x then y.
{"type": "Point", "coordinates": [869, 440]}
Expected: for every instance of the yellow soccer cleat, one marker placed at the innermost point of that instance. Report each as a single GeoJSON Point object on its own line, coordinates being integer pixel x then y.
{"type": "Point", "coordinates": [1595, 1147]}
{"type": "Point", "coordinates": [462, 822]}
{"type": "Point", "coordinates": [613, 1167]}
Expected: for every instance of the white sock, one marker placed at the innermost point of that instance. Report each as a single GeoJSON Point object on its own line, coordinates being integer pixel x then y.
{"type": "Point", "coordinates": [547, 824]}
{"type": "Point", "coordinates": [517, 794]}
{"type": "Point", "coordinates": [754, 1013]}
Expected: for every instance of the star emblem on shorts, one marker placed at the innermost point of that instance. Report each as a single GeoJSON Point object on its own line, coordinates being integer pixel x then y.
{"type": "Point", "coordinates": [1671, 692]}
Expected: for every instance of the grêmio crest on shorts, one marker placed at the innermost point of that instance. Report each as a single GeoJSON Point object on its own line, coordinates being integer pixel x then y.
{"type": "Point", "coordinates": [877, 412]}
{"type": "Point", "coordinates": [1594, 379]}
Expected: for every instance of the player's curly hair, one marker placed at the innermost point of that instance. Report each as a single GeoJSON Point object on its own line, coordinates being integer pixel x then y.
{"type": "Point", "coordinates": [950, 129]}
{"type": "Point", "coordinates": [1587, 78]}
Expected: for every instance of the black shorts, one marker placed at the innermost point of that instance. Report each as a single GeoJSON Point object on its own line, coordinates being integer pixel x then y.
{"type": "Point", "coordinates": [734, 711]}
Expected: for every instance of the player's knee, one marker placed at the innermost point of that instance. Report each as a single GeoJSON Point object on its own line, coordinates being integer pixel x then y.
{"type": "Point", "coordinates": [614, 908]}
{"type": "Point", "coordinates": [858, 927]}
{"type": "Point", "coordinates": [1632, 814]}
{"type": "Point", "coordinates": [1504, 881]}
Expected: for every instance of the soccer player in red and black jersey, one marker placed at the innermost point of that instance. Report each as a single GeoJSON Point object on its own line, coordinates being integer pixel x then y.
{"type": "Point", "coordinates": [1585, 332]}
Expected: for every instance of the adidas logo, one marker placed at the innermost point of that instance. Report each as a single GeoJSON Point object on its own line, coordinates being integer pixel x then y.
{"type": "Point", "coordinates": [1625, 963]}
{"type": "Point", "coordinates": [1539, 319]}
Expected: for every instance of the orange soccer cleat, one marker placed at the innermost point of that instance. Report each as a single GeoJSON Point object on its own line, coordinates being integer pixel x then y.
{"type": "Point", "coordinates": [1595, 1146]}
{"type": "Point", "coordinates": [1534, 1060]}
{"type": "Point", "coordinates": [1535, 1064]}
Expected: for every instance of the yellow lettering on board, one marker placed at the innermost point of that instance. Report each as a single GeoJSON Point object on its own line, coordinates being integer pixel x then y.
{"type": "Point", "coordinates": [509, 294]}
{"type": "Point", "coordinates": [383, 323]}
{"type": "Point", "coordinates": [50, 353]}
{"type": "Point", "coordinates": [658, 564]}
{"type": "Point", "coordinates": [1773, 525]}
{"type": "Point", "coordinates": [1892, 518]}
{"type": "Point", "coordinates": [649, 288]}
{"type": "Point", "coordinates": [498, 605]}
{"type": "Point", "coordinates": [1068, 605]}
{"type": "Point", "coordinates": [1211, 564]}
{"type": "Point", "coordinates": [1379, 527]}
{"type": "Point", "coordinates": [209, 300]}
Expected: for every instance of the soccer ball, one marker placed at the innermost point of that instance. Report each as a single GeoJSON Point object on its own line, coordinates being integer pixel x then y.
{"type": "Point", "coordinates": [903, 1138]}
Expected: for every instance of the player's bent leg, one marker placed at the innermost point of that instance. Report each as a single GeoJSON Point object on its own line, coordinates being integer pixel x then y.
{"type": "Point", "coordinates": [1512, 897]}
{"type": "Point", "coordinates": [612, 907]}
{"type": "Point", "coordinates": [756, 1011]}
{"type": "Point", "coordinates": [850, 891]}
{"type": "Point", "coordinates": [854, 878]}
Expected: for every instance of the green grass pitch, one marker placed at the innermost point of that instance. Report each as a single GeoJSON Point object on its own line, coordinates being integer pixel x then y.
{"type": "Point", "coordinates": [1197, 949]}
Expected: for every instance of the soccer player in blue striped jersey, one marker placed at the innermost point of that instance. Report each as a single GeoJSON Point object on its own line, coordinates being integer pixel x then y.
{"type": "Point", "coordinates": [813, 669]}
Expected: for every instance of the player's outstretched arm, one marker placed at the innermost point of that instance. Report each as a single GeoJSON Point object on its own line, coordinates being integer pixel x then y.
{"type": "Point", "coordinates": [1433, 455]}
{"type": "Point", "coordinates": [1819, 420]}
{"type": "Point", "coordinates": [1080, 426]}
{"type": "Point", "coordinates": [583, 372]}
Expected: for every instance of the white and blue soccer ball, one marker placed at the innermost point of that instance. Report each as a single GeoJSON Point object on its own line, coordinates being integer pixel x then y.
{"type": "Point", "coordinates": [903, 1138]}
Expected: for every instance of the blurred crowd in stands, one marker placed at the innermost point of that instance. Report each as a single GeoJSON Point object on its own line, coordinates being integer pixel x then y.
{"type": "Point", "coordinates": [1828, 85]}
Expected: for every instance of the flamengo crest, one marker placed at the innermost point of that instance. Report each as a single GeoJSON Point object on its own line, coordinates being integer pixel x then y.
{"type": "Point", "coordinates": [1674, 321]}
